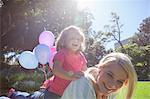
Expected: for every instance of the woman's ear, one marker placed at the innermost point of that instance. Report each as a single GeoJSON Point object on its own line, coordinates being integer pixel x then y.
{"type": "Point", "coordinates": [126, 82]}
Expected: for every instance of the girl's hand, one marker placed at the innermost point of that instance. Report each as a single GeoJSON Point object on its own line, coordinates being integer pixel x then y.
{"type": "Point", "coordinates": [75, 75]}
{"type": "Point", "coordinates": [78, 74]}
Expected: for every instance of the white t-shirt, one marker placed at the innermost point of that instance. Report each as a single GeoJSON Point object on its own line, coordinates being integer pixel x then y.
{"type": "Point", "coordinates": [81, 89]}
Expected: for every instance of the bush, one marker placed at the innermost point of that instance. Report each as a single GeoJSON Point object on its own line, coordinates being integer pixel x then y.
{"type": "Point", "coordinates": [20, 79]}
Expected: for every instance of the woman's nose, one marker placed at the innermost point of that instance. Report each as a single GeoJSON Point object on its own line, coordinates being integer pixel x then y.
{"type": "Point", "coordinates": [113, 85]}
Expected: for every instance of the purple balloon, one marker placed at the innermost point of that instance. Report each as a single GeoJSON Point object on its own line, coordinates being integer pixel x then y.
{"type": "Point", "coordinates": [47, 38]}
{"type": "Point", "coordinates": [43, 53]}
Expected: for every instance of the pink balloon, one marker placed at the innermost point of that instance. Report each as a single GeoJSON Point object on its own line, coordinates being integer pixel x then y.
{"type": "Point", "coordinates": [53, 51]}
{"type": "Point", "coordinates": [47, 38]}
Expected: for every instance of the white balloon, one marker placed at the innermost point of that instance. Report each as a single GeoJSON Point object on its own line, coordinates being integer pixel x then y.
{"type": "Point", "coordinates": [28, 60]}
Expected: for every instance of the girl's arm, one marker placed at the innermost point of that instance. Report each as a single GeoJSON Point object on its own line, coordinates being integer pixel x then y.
{"type": "Point", "coordinates": [60, 72]}
{"type": "Point", "coordinates": [84, 68]}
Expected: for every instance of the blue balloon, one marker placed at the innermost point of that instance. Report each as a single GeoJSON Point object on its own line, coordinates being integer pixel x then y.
{"type": "Point", "coordinates": [43, 53]}
{"type": "Point", "coordinates": [28, 60]}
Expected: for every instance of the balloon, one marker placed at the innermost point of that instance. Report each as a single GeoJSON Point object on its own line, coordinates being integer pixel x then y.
{"type": "Point", "coordinates": [28, 60]}
{"type": "Point", "coordinates": [53, 51]}
{"type": "Point", "coordinates": [47, 38]}
{"type": "Point", "coordinates": [43, 53]}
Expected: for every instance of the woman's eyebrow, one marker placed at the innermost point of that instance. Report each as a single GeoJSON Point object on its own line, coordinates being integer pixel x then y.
{"type": "Point", "coordinates": [115, 76]}
{"type": "Point", "coordinates": [110, 72]}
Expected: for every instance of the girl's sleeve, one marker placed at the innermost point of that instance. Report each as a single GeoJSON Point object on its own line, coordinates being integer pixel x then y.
{"type": "Point", "coordinates": [83, 59]}
{"type": "Point", "coordinates": [59, 56]}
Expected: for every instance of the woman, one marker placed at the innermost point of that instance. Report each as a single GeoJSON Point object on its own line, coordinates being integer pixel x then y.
{"type": "Point", "coordinates": [114, 71]}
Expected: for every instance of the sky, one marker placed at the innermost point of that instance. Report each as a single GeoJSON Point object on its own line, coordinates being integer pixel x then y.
{"type": "Point", "coordinates": [131, 13]}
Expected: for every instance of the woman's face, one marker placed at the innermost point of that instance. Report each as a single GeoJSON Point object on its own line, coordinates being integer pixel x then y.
{"type": "Point", "coordinates": [111, 78]}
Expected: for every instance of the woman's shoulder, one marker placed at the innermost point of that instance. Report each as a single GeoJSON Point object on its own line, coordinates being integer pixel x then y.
{"type": "Point", "coordinates": [83, 81]}
{"type": "Point", "coordinates": [88, 76]}
{"type": "Point", "coordinates": [92, 70]}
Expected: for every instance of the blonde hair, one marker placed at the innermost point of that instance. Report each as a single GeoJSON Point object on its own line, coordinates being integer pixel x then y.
{"type": "Point", "coordinates": [124, 61]}
{"type": "Point", "coordinates": [61, 40]}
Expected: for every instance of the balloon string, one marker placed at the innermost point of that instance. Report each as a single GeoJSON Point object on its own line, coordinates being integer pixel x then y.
{"type": "Point", "coordinates": [44, 71]}
{"type": "Point", "coordinates": [44, 29]}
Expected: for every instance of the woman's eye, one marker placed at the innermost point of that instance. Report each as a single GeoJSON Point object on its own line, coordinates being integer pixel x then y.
{"type": "Point", "coordinates": [110, 75]}
{"type": "Point", "coordinates": [120, 82]}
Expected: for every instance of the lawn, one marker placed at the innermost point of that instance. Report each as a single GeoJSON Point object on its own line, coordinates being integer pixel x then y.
{"type": "Point", "coordinates": [142, 91]}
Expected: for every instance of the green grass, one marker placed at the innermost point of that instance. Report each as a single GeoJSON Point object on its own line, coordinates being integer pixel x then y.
{"type": "Point", "coordinates": [142, 91]}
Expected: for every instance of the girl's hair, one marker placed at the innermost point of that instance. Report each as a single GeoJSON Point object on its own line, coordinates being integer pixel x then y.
{"type": "Point", "coordinates": [68, 31]}
{"type": "Point", "coordinates": [126, 64]}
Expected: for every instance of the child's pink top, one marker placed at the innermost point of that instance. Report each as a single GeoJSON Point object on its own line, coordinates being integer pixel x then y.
{"type": "Point", "coordinates": [71, 62]}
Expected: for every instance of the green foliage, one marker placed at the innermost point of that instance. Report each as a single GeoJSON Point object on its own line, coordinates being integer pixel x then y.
{"type": "Point", "coordinates": [142, 37]}
{"type": "Point", "coordinates": [24, 20]}
{"type": "Point", "coordinates": [140, 56]}
{"type": "Point", "coordinates": [28, 81]}
{"type": "Point", "coordinates": [22, 23]}
{"type": "Point", "coordinates": [24, 80]}
{"type": "Point", "coordinates": [113, 30]}
{"type": "Point", "coordinates": [94, 53]}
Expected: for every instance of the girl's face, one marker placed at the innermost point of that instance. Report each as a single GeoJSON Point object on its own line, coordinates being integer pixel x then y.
{"type": "Point", "coordinates": [73, 42]}
{"type": "Point", "coordinates": [111, 78]}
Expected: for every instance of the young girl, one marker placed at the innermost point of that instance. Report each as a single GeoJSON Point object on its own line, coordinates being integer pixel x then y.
{"type": "Point", "coordinates": [69, 62]}
{"type": "Point", "coordinates": [114, 72]}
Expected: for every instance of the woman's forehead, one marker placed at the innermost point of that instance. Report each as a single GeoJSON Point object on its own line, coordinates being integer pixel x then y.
{"type": "Point", "coordinates": [116, 69]}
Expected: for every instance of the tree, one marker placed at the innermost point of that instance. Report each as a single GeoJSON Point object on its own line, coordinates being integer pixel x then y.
{"type": "Point", "coordinates": [142, 38]}
{"type": "Point", "coordinates": [113, 32]}
{"type": "Point", "coordinates": [24, 20]}
{"type": "Point", "coordinates": [94, 53]}
{"type": "Point", "coordinates": [140, 57]}
{"type": "Point", "coordinates": [22, 23]}
{"type": "Point", "coordinates": [139, 50]}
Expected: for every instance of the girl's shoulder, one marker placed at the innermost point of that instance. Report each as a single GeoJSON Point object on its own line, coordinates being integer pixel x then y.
{"type": "Point", "coordinates": [62, 51]}
{"type": "Point", "coordinates": [81, 53]}
{"type": "Point", "coordinates": [60, 54]}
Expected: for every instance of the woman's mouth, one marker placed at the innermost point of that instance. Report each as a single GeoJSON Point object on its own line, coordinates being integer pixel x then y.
{"type": "Point", "coordinates": [105, 89]}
